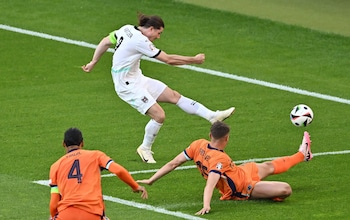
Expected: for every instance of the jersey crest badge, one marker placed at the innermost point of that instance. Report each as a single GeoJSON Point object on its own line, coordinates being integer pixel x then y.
{"type": "Point", "coordinates": [144, 99]}
{"type": "Point", "coordinates": [219, 166]}
{"type": "Point", "coordinates": [152, 47]}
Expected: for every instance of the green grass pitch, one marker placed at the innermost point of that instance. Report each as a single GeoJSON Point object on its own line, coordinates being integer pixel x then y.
{"type": "Point", "coordinates": [44, 91]}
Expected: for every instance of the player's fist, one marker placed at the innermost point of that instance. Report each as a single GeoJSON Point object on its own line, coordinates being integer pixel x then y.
{"type": "Point", "coordinates": [199, 58]}
{"type": "Point", "coordinates": [88, 67]}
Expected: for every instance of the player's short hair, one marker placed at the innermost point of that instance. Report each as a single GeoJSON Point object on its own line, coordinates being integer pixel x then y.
{"type": "Point", "coordinates": [73, 136]}
{"type": "Point", "coordinates": [219, 130]}
{"type": "Point", "coordinates": [150, 21]}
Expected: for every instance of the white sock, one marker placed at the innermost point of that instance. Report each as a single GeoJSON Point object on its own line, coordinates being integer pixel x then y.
{"type": "Point", "coordinates": [151, 130]}
{"type": "Point", "coordinates": [194, 108]}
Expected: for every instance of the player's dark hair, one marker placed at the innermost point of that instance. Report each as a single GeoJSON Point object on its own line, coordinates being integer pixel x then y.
{"type": "Point", "coordinates": [73, 136]}
{"type": "Point", "coordinates": [219, 130]}
{"type": "Point", "coordinates": [150, 21]}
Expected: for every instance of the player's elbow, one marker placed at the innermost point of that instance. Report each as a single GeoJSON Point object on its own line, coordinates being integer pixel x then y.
{"type": "Point", "coordinates": [173, 165]}
{"type": "Point", "coordinates": [176, 163]}
{"type": "Point", "coordinates": [167, 58]}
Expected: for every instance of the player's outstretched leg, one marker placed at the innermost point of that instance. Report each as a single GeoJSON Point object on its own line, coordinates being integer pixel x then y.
{"type": "Point", "coordinates": [282, 164]}
{"type": "Point", "coordinates": [195, 108]}
{"type": "Point", "coordinates": [305, 147]}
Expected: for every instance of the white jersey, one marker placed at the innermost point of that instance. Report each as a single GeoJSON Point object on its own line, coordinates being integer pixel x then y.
{"type": "Point", "coordinates": [131, 45]}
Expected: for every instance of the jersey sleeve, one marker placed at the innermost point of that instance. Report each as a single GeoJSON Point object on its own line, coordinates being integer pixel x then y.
{"type": "Point", "coordinates": [189, 152]}
{"type": "Point", "coordinates": [147, 48]}
{"type": "Point", "coordinates": [53, 175]}
{"type": "Point", "coordinates": [192, 150]}
{"type": "Point", "coordinates": [103, 159]}
{"type": "Point", "coordinates": [220, 165]}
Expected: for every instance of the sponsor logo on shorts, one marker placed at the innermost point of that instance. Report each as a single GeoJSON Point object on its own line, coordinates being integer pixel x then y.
{"type": "Point", "coordinates": [250, 187]}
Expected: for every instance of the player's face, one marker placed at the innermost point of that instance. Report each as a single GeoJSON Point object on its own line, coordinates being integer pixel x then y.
{"type": "Point", "coordinates": [155, 33]}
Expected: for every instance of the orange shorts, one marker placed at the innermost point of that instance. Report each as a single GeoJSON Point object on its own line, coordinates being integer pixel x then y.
{"type": "Point", "coordinates": [251, 170]}
{"type": "Point", "coordinates": [251, 178]}
{"type": "Point", "coordinates": [73, 213]}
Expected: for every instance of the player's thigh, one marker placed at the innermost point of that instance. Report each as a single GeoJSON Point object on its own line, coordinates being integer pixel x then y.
{"type": "Point", "coordinates": [161, 92]}
{"type": "Point", "coordinates": [265, 169]}
{"type": "Point", "coordinates": [270, 189]}
{"type": "Point", "coordinates": [156, 88]}
{"type": "Point", "coordinates": [140, 99]}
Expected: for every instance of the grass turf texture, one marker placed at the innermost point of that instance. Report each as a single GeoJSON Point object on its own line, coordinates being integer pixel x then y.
{"type": "Point", "coordinates": [323, 15]}
{"type": "Point", "coordinates": [43, 92]}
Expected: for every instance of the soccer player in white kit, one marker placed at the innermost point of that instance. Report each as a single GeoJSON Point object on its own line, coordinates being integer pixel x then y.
{"type": "Point", "coordinates": [141, 92]}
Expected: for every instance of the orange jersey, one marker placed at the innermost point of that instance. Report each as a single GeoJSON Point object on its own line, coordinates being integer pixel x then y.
{"type": "Point", "coordinates": [78, 178]}
{"type": "Point", "coordinates": [236, 182]}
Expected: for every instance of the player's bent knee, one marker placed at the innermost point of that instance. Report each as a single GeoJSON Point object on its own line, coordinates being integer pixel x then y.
{"type": "Point", "coordinates": [285, 190]}
{"type": "Point", "coordinates": [159, 118]}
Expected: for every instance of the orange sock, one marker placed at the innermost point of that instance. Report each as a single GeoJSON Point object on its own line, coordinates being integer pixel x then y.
{"type": "Point", "coordinates": [283, 164]}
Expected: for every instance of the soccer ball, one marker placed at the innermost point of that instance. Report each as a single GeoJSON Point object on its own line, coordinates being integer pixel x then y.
{"type": "Point", "coordinates": [301, 115]}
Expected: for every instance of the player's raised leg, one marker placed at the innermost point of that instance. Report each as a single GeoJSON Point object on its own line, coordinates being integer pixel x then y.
{"type": "Point", "coordinates": [193, 107]}
{"type": "Point", "coordinates": [222, 115]}
{"type": "Point", "coordinates": [283, 164]}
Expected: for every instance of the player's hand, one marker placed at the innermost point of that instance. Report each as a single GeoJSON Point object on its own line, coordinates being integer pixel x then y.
{"type": "Point", "coordinates": [88, 67]}
{"type": "Point", "coordinates": [199, 58]}
{"type": "Point", "coordinates": [143, 190]}
{"type": "Point", "coordinates": [203, 211]}
{"type": "Point", "coordinates": [148, 182]}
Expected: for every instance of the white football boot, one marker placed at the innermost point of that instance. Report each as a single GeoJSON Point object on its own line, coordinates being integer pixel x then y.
{"type": "Point", "coordinates": [146, 155]}
{"type": "Point", "coordinates": [222, 115]}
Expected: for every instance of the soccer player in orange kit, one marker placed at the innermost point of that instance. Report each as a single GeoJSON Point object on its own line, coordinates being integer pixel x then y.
{"type": "Point", "coordinates": [75, 181]}
{"type": "Point", "coordinates": [234, 182]}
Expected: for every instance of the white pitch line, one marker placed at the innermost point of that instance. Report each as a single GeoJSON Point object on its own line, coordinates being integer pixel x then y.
{"type": "Point", "coordinates": [193, 68]}
{"type": "Point", "coordinates": [151, 208]}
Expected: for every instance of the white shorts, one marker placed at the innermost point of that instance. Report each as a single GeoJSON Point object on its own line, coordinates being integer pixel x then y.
{"type": "Point", "coordinates": [142, 94]}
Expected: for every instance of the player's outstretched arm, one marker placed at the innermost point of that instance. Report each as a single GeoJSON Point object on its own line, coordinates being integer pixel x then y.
{"type": "Point", "coordinates": [125, 176]}
{"type": "Point", "coordinates": [174, 59]}
{"type": "Point", "coordinates": [167, 168]}
{"type": "Point", "coordinates": [212, 180]}
{"type": "Point", "coordinates": [101, 48]}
